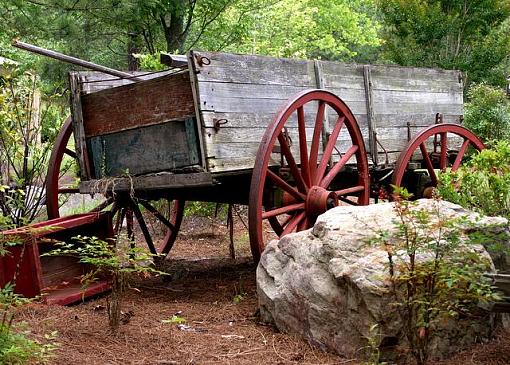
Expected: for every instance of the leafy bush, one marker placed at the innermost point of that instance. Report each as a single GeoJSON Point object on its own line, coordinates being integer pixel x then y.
{"type": "Point", "coordinates": [487, 113]}
{"type": "Point", "coordinates": [433, 273]}
{"type": "Point", "coordinates": [483, 184]}
{"type": "Point", "coordinates": [28, 126]}
{"type": "Point", "coordinates": [204, 209]}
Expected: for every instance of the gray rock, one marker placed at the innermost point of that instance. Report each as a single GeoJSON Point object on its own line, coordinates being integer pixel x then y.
{"type": "Point", "coordinates": [329, 286]}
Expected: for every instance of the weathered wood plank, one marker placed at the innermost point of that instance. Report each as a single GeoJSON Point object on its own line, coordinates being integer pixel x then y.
{"type": "Point", "coordinates": [250, 105]}
{"type": "Point", "coordinates": [414, 73]}
{"type": "Point", "coordinates": [92, 81]}
{"type": "Point", "coordinates": [148, 182]}
{"type": "Point", "coordinates": [252, 69]}
{"type": "Point", "coordinates": [415, 108]}
{"type": "Point", "coordinates": [432, 84]}
{"type": "Point", "coordinates": [419, 97]}
{"type": "Point", "coordinates": [143, 103]}
{"type": "Point", "coordinates": [161, 147]}
{"type": "Point", "coordinates": [78, 128]}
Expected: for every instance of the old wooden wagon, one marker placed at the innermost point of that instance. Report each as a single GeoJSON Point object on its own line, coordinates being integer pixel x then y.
{"type": "Point", "coordinates": [290, 138]}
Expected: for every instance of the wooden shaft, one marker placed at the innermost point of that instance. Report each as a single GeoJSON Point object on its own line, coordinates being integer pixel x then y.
{"type": "Point", "coordinates": [76, 61]}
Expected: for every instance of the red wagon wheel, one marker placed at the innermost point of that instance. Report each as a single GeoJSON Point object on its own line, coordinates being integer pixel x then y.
{"type": "Point", "coordinates": [434, 152]}
{"type": "Point", "coordinates": [125, 210]}
{"type": "Point", "coordinates": [295, 171]}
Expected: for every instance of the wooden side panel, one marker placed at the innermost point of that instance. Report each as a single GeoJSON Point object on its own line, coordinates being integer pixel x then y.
{"type": "Point", "coordinates": [243, 94]}
{"type": "Point", "coordinates": [406, 98]}
{"type": "Point", "coordinates": [138, 104]}
{"type": "Point", "coordinates": [153, 148]}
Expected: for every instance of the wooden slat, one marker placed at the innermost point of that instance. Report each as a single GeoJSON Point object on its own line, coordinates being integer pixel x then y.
{"type": "Point", "coordinates": [148, 182]}
{"type": "Point", "coordinates": [143, 103]}
{"type": "Point", "coordinates": [93, 81]}
{"type": "Point", "coordinates": [78, 128]}
{"type": "Point", "coordinates": [251, 69]}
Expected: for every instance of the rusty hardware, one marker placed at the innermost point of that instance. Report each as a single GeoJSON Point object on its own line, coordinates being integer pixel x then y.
{"type": "Point", "coordinates": [439, 120]}
{"type": "Point", "coordinates": [387, 158]}
{"type": "Point", "coordinates": [218, 123]}
{"type": "Point", "coordinates": [278, 149]}
{"type": "Point", "coordinates": [408, 125]}
{"type": "Point", "coordinates": [202, 60]}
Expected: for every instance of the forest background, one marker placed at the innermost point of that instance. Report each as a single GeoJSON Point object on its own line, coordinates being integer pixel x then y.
{"type": "Point", "coordinates": [468, 35]}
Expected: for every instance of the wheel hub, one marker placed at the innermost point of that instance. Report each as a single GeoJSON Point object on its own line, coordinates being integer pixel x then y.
{"type": "Point", "coordinates": [319, 200]}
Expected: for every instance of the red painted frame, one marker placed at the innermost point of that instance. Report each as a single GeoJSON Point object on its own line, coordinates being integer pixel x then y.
{"type": "Point", "coordinates": [25, 261]}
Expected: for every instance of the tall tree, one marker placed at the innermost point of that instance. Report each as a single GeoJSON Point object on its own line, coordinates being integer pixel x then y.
{"type": "Point", "coordinates": [328, 29]}
{"type": "Point", "coordinates": [470, 35]}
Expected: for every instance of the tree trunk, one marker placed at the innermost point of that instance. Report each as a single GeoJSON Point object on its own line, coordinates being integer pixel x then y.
{"type": "Point", "coordinates": [173, 27]}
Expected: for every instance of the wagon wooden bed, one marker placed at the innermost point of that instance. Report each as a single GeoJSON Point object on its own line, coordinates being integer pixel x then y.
{"type": "Point", "coordinates": [290, 138]}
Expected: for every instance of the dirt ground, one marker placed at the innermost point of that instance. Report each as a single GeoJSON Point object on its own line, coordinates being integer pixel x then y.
{"type": "Point", "coordinates": [215, 297]}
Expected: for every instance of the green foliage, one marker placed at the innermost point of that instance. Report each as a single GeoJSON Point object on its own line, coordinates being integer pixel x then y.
{"type": "Point", "coordinates": [470, 36]}
{"type": "Point", "coordinates": [238, 298]}
{"type": "Point", "coordinates": [113, 260]}
{"type": "Point", "coordinates": [332, 29]}
{"type": "Point", "coordinates": [434, 273]}
{"type": "Point", "coordinates": [26, 118]}
{"type": "Point", "coordinates": [204, 209]}
{"type": "Point", "coordinates": [483, 184]}
{"type": "Point", "coordinates": [175, 319]}
{"type": "Point", "coordinates": [487, 113]}
{"type": "Point", "coordinates": [149, 62]}
{"type": "Point", "coordinates": [15, 345]}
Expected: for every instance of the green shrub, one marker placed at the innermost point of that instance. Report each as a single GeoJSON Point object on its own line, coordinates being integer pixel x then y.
{"type": "Point", "coordinates": [483, 184]}
{"type": "Point", "coordinates": [433, 273]}
{"type": "Point", "coordinates": [487, 113]}
{"type": "Point", "coordinates": [15, 345]}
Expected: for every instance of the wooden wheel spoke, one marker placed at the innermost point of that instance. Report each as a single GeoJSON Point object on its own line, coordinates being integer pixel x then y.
{"type": "Point", "coordinates": [329, 149]}
{"type": "Point", "coordinates": [316, 140]}
{"type": "Point", "coordinates": [293, 223]}
{"type": "Point", "coordinates": [460, 154]}
{"type": "Point", "coordinates": [285, 186]}
{"type": "Point", "coordinates": [143, 227]}
{"type": "Point", "coordinates": [354, 189]}
{"type": "Point", "coordinates": [157, 214]}
{"type": "Point", "coordinates": [275, 224]}
{"type": "Point", "coordinates": [428, 163]}
{"type": "Point", "coordinates": [70, 153]}
{"type": "Point", "coordinates": [303, 148]}
{"type": "Point", "coordinates": [283, 210]}
{"type": "Point", "coordinates": [292, 164]}
{"type": "Point", "coordinates": [338, 166]}
{"type": "Point", "coordinates": [444, 150]}
{"type": "Point", "coordinates": [303, 224]}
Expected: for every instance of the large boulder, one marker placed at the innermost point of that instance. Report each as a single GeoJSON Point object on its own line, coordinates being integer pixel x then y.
{"type": "Point", "coordinates": [329, 286]}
